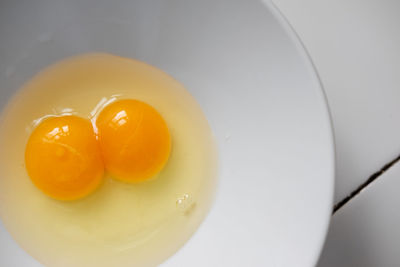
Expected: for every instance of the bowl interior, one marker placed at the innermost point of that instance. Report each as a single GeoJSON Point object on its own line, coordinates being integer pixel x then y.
{"type": "Point", "coordinates": [256, 87]}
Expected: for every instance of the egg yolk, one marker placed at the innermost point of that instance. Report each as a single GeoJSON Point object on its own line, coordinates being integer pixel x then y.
{"type": "Point", "coordinates": [63, 158]}
{"type": "Point", "coordinates": [134, 139]}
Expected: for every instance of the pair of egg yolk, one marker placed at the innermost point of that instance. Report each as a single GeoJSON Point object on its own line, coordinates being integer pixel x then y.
{"type": "Point", "coordinates": [66, 159]}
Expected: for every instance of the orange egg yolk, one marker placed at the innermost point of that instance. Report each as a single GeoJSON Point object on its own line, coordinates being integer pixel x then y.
{"type": "Point", "coordinates": [134, 140]}
{"type": "Point", "coordinates": [63, 158]}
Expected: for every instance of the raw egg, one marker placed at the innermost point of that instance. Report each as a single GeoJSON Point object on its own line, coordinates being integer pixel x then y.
{"type": "Point", "coordinates": [122, 139]}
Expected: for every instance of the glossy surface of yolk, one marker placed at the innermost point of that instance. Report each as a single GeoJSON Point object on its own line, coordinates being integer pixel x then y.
{"type": "Point", "coordinates": [63, 158]}
{"type": "Point", "coordinates": [134, 139]}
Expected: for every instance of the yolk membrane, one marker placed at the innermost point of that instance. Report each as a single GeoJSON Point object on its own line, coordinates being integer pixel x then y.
{"type": "Point", "coordinates": [134, 140]}
{"type": "Point", "coordinates": [63, 158]}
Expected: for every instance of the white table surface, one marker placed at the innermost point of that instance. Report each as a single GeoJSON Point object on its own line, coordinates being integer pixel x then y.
{"type": "Point", "coordinates": [355, 46]}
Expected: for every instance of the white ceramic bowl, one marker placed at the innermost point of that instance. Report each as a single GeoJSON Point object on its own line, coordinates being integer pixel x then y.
{"type": "Point", "coordinates": [249, 72]}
